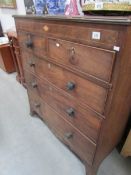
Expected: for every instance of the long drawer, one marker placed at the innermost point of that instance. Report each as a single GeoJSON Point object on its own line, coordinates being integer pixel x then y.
{"type": "Point", "coordinates": [87, 92]}
{"type": "Point", "coordinates": [89, 60]}
{"type": "Point", "coordinates": [88, 122]}
{"type": "Point", "coordinates": [83, 147]}
{"type": "Point", "coordinates": [82, 33]}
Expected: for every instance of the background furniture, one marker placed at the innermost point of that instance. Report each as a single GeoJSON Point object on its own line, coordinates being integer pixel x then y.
{"type": "Point", "coordinates": [126, 151]}
{"type": "Point", "coordinates": [1, 31]}
{"type": "Point", "coordinates": [15, 50]}
{"type": "Point", "coordinates": [6, 59]}
{"type": "Point", "coordinates": [125, 145]}
{"type": "Point", "coordinates": [77, 72]}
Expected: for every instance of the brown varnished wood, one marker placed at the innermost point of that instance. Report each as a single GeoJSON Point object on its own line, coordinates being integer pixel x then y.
{"type": "Point", "coordinates": [39, 43]}
{"type": "Point", "coordinates": [114, 20]}
{"type": "Point", "coordinates": [82, 57]}
{"type": "Point", "coordinates": [60, 30]}
{"type": "Point", "coordinates": [86, 91]}
{"type": "Point", "coordinates": [119, 101]}
{"type": "Point", "coordinates": [109, 36]}
{"type": "Point", "coordinates": [29, 56]}
{"type": "Point", "coordinates": [35, 100]}
{"type": "Point", "coordinates": [61, 127]}
{"type": "Point", "coordinates": [85, 120]}
{"type": "Point", "coordinates": [6, 59]}
{"type": "Point", "coordinates": [102, 77]}
{"type": "Point", "coordinates": [2, 66]}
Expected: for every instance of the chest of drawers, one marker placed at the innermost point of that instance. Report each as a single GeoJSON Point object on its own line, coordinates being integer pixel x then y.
{"type": "Point", "coordinates": [77, 73]}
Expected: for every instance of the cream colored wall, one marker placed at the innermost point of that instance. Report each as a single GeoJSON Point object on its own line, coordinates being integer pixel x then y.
{"type": "Point", "coordinates": [6, 18]}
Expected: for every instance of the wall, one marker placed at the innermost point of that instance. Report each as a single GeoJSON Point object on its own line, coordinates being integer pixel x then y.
{"type": "Point", "coordinates": [6, 18]}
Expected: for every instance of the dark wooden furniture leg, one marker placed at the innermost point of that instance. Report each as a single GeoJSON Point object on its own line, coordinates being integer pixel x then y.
{"type": "Point", "coordinates": [15, 50]}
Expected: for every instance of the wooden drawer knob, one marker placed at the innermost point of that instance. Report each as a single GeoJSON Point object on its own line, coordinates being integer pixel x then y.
{"type": "Point", "coordinates": [31, 63]}
{"type": "Point", "coordinates": [29, 44]}
{"type": "Point", "coordinates": [34, 84]}
{"type": "Point", "coordinates": [71, 112]}
{"type": "Point", "coordinates": [70, 85]}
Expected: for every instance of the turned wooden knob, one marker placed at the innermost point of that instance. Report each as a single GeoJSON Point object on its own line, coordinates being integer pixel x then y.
{"type": "Point", "coordinates": [71, 112]}
{"type": "Point", "coordinates": [70, 85]}
{"type": "Point", "coordinates": [29, 44]}
{"type": "Point", "coordinates": [31, 63]}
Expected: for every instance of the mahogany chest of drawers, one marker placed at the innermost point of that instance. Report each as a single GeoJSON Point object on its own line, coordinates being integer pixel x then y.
{"type": "Point", "coordinates": [77, 73]}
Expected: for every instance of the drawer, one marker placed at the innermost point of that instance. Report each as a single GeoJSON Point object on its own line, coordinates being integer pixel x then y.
{"type": "Point", "coordinates": [83, 147]}
{"type": "Point", "coordinates": [89, 60]}
{"type": "Point", "coordinates": [82, 118]}
{"type": "Point", "coordinates": [83, 90]}
{"type": "Point", "coordinates": [82, 33]}
{"type": "Point", "coordinates": [33, 43]}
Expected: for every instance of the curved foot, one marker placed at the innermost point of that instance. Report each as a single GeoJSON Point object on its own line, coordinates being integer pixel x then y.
{"type": "Point", "coordinates": [91, 170]}
{"type": "Point", "coordinates": [32, 113]}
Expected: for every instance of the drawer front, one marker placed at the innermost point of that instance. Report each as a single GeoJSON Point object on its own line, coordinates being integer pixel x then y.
{"type": "Point", "coordinates": [79, 144]}
{"type": "Point", "coordinates": [90, 60]}
{"type": "Point", "coordinates": [33, 43]}
{"type": "Point", "coordinates": [82, 33]}
{"type": "Point", "coordinates": [84, 119]}
{"type": "Point", "coordinates": [87, 92]}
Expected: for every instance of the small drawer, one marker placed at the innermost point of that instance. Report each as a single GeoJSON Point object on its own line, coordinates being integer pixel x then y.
{"type": "Point", "coordinates": [82, 118]}
{"type": "Point", "coordinates": [86, 59]}
{"type": "Point", "coordinates": [82, 89]}
{"type": "Point", "coordinates": [82, 146]}
{"type": "Point", "coordinates": [33, 43]}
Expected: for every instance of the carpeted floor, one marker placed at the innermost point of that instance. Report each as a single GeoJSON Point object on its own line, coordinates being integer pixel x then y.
{"type": "Point", "coordinates": [27, 147]}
